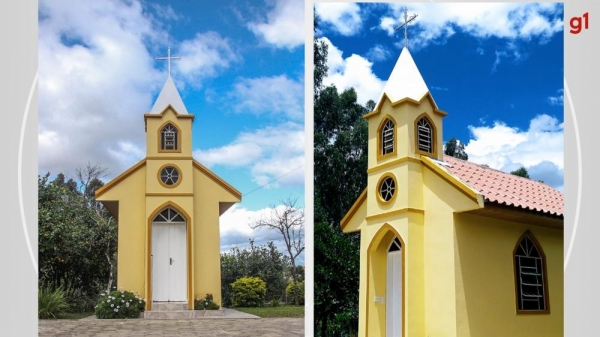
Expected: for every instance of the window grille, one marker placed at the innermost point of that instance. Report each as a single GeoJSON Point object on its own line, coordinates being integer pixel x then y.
{"type": "Point", "coordinates": [387, 188]}
{"type": "Point", "coordinates": [424, 136]}
{"type": "Point", "coordinates": [169, 138]}
{"type": "Point", "coordinates": [529, 270]}
{"type": "Point", "coordinates": [387, 137]}
{"type": "Point", "coordinates": [169, 175]}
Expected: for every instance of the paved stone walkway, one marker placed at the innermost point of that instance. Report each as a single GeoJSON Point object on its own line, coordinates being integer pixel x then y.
{"type": "Point", "coordinates": [244, 327]}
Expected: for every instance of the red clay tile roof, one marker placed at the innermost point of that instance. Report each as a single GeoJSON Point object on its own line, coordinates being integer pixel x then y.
{"type": "Point", "coordinates": [507, 189]}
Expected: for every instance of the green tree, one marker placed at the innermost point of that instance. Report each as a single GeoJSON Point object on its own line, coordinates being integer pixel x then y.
{"type": "Point", "coordinates": [340, 165]}
{"type": "Point", "coordinates": [75, 236]}
{"type": "Point", "coordinates": [521, 172]}
{"type": "Point", "coordinates": [320, 59]}
{"type": "Point", "coordinates": [265, 262]}
{"type": "Point", "coordinates": [288, 220]}
{"type": "Point", "coordinates": [456, 149]}
{"type": "Point", "coordinates": [299, 291]}
{"type": "Point", "coordinates": [336, 280]}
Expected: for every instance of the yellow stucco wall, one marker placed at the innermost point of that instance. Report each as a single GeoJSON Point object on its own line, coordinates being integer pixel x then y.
{"type": "Point", "coordinates": [470, 278]}
{"type": "Point", "coordinates": [440, 200]}
{"type": "Point", "coordinates": [207, 263]}
{"type": "Point", "coordinates": [131, 231]}
{"type": "Point", "coordinates": [486, 295]}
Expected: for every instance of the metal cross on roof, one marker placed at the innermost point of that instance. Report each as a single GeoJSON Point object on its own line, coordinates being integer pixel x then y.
{"type": "Point", "coordinates": [407, 20]}
{"type": "Point", "coordinates": [169, 58]}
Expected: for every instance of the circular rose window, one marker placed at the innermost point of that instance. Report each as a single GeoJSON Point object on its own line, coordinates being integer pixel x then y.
{"type": "Point", "coordinates": [387, 188]}
{"type": "Point", "coordinates": [169, 175]}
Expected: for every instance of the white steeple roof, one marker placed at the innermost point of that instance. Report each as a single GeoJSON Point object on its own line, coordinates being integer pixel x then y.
{"type": "Point", "coordinates": [405, 80]}
{"type": "Point", "coordinates": [169, 95]}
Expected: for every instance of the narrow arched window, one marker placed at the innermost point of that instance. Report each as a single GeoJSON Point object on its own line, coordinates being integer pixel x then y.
{"type": "Point", "coordinates": [530, 275]}
{"type": "Point", "coordinates": [387, 137]}
{"type": "Point", "coordinates": [424, 136]}
{"type": "Point", "coordinates": [168, 139]}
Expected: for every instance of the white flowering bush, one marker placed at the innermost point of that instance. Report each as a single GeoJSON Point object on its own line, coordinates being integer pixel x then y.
{"type": "Point", "coordinates": [119, 304]}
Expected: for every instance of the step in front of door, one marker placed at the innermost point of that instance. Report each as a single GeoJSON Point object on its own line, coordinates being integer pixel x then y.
{"type": "Point", "coordinates": [169, 306]}
{"type": "Point", "coordinates": [178, 310]}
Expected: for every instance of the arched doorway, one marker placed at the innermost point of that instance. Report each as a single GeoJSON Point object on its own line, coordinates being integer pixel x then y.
{"type": "Point", "coordinates": [169, 258]}
{"type": "Point", "coordinates": [393, 307]}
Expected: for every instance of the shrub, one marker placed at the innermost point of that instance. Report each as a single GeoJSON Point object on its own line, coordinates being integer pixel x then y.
{"type": "Point", "coordinates": [289, 290]}
{"type": "Point", "coordinates": [51, 302]}
{"type": "Point", "coordinates": [207, 303]}
{"type": "Point", "coordinates": [119, 304]}
{"type": "Point", "coordinates": [248, 292]}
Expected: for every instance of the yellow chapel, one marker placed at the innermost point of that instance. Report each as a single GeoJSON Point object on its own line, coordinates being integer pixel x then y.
{"type": "Point", "coordinates": [449, 247]}
{"type": "Point", "coordinates": [168, 207]}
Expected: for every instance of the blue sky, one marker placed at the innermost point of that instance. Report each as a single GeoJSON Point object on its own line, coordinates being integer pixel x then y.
{"type": "Point", "coordinates": [496, 69]}
{"type": "Point", "coordinates": [241, 73]}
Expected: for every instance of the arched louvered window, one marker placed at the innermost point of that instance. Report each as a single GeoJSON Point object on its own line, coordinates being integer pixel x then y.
{"type": "Point", "coordinates": [387, 137]}
{"type": "Point", "coordinates": [530, 276]}
{"type": "Point", "coordinates": [424, 135]}
{"type": "Point", "coordinates": [168, 140]}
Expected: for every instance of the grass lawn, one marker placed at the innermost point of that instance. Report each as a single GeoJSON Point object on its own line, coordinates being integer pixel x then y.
{"type": "Point", "coordinates": [269, 312]}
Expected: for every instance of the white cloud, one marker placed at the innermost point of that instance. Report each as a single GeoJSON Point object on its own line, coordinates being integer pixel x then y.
{"type": "Point", "coordinates": [343, 18]}
{"type": "Point", "coordinates": [203, 56]}
{"type": "Point", "coordinates": [558, 99]}
{"type": "Point", "coordinates": [513, 21]}
{"type": "Point", "coordinates": [511, 51]}
{"type": "Point", "coordinates": [97, 75]}
{"type": "Point", "coordinates": [539, 149]}
{"type": "Point", "coordinates": [277, 95]}
{"type": "Point", "coordinates": [352, 72]}
{"type": "Point", "coordinates": [272, 152]}
{"type": "Point", "coordinates": [284, 25]}
{"type": "Point", "coordinates": [378, 53]}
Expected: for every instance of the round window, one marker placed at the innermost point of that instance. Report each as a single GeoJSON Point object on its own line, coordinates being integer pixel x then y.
{"type": "Point", "coordinates": [169, 175]}
{"type": "Point", "coordinates": [387, 188]}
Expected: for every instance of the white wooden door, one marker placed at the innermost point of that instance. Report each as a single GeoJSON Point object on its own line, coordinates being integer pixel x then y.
{"type": "Point", "coordinates": [178, 262]}
{"type": "Point", "coordinates": [169, 272]}
{"type": "Point", "coordinates": [393, 297]}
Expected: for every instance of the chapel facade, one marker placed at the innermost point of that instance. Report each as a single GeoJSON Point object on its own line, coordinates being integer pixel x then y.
{"type": "Point", "coordinates": [168, 207]}
{"type": "Point", "coordinates": [449, 247]}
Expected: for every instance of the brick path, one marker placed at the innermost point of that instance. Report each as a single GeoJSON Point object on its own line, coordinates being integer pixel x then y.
{"type": "Point", "coordinates": [267, 327]}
